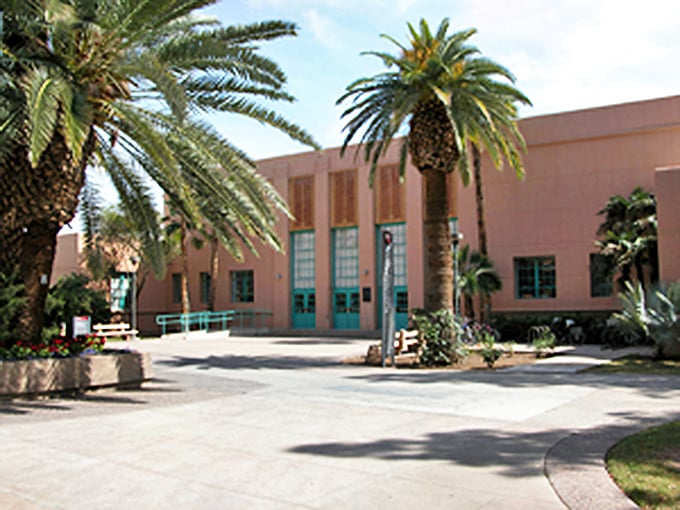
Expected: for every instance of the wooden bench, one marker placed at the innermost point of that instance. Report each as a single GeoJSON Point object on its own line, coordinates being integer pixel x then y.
{"type": "Point", "coordinates": [404, 340]}
{"type": "Point", "coordinates": [122, 330]}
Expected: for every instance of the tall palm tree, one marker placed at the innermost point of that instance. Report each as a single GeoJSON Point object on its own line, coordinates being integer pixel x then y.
{"type": "Point", "coordinates": [442, 94]}
{"type": "Point", "coordinates": [629, 236]}
{"type": "Point", "coordinates": [477, 277]}
{"type": "Point", "coordinates": [86, 82]}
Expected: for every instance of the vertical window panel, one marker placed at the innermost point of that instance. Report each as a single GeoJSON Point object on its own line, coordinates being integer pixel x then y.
{"type": "Point", "coordinates": [176, 288]}
{"type": "Point", "coordinates": [301, 202]}
{"type": "Point", "coordinates": [390, 198]}
{"type": "Point", "coordinates": [343, 199]}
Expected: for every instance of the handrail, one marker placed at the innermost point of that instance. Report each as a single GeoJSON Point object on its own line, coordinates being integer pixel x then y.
{"type": "Point", "coordinates": [204, 319]}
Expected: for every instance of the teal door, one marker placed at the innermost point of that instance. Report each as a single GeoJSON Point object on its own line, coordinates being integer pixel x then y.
{"type": "Point", "coordinates": [303, 279]}
{"type": "Point", "coordinates": [398, 231]}
{"type": "Point", "coordinates": [346, 309]}
{"type": "Point", "coordinates": [346, 303]}
{"type": "Point", "coordinates": [304, 309]}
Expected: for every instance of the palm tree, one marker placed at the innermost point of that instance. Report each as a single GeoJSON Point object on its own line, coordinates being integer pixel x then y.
{"type": "Point", "coordinates": [477, 277]}
{"type": "Point", "coordinates": [447, 94]}
{"type": "Point", "coordinates": [629, 236]}
{"type": "Point", "coordinates": [87, 83]}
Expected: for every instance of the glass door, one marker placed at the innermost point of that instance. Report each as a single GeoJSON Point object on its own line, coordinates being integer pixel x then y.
{"type": "Point", "coordinates": [346, 303]}
{"type": "Point", "coordinates": [304, 291]}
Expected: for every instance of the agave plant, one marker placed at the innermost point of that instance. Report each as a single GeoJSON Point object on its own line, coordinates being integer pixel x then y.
{"type": "Point", "coordinates": [654, 315]}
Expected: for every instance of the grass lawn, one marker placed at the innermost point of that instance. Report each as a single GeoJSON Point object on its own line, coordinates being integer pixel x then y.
{"type": "Point", "coordinates": [647, 467]}
{"type": "Point", "coordinates": [639, 365]}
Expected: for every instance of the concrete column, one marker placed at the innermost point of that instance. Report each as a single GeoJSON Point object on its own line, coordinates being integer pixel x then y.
{"type": "Point", "coordinates": [324, 311]}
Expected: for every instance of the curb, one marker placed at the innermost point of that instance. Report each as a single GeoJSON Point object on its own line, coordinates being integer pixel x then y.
{"type": "Point", "coordinates": [575, 466]}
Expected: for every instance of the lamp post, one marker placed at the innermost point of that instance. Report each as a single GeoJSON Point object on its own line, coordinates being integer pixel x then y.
{"type": "Point", "coordinates": [133, 299]}
{"type": "Point", "coordinates": [456, 238]}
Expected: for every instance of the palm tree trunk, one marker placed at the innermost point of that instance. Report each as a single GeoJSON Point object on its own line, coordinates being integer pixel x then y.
{"type": "Point", "coordinates": [479, 198]}
{"type": "Point", "coordinates": [186, 303]}
{"type": "Point", "coordinates": [37, 248]}
{"type": "Point", "coordinates": [484, 301]}
{"type": "Point", "coordinates": [438, 258]}
{"type": "Point", "coordinates": [214, 270]}
{"type": "Point", "coordinates": [34, 204]}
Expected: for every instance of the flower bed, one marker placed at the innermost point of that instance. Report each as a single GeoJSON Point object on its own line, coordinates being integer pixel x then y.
{"type": "Point", "coordinates": [48, 375]}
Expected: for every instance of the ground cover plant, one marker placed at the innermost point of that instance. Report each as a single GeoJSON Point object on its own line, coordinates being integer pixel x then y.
{"type": "Point", "coordinates": [647, 467]}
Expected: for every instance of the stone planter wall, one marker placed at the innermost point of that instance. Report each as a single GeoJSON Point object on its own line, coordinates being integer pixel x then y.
{"type": "Point", "coordinates": [65, 374]}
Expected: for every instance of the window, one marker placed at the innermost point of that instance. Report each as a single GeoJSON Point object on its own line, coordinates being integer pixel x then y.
{"type": "Point", "coordinates": [535, 277]}
{"type": "Point", "coordinates": [176, 288]}
{"type": "Point", "coordinates": [205, 287]}
{"type": "Point", "coordinates": [600, 276]}
{"type": "Point", "coordinates": [346, 258]}
{"type": "Point", "coordinates": [303, 260]}
{"type": "Point", "coordinates": [242, 287]}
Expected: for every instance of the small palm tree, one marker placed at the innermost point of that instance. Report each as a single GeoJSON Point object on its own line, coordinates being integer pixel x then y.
{"type": "Point", "coordinates": [477, 277]}
{"type": "Point", "coordinates": [442, 94]}
{"type": "Point", "coordinates": [92, 83]}
{"type": "Point", "coordinates": [629, 236]}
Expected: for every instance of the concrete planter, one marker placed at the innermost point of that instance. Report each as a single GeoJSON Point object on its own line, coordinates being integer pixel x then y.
{"type": "Point", "coordinates": [66, 374]}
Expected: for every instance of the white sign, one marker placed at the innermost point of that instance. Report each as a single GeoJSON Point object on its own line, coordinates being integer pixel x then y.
{"type": "Point", "coordinates": [81, 325]}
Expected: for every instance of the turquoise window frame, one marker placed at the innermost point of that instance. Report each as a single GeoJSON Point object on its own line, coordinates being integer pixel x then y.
{"type": "Point", "coordinates": [535, 277]}
{"type": "Point", "coordinates": [345, 275]}
{"type": "Point", "coordinates": [243, 286]}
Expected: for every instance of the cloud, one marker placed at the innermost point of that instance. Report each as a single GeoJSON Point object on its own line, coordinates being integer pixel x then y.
{"type": "Point", "coordinates": [327, 32]}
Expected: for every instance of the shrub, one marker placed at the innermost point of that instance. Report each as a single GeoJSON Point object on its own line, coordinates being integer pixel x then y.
{"type": "Point", "coordinates": [72, 297]}
{"type": "Point", "coordinates": [486, 337]}
{"type": "Point", "coordinates": [12, 302]}
{"type": "Point", "coordinates": [543, 341]}
{"type": "Point", "coordinates": [654, 315]}
{"type": "Point", "coordinates": [440, 331]}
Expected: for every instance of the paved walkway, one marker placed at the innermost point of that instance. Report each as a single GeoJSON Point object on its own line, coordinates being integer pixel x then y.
{"type": "Point", "coordinates": [250, 423]}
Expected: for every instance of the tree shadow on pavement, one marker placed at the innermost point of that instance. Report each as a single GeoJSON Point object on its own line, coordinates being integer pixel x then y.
{"type": "Point", "coordinates": [515, 454]}
{"type": "Point", "coordinates": [234, 362]}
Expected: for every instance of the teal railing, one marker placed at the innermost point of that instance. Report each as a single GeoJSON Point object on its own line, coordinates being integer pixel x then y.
{"type": "Point", "coordinates": [222, 320]}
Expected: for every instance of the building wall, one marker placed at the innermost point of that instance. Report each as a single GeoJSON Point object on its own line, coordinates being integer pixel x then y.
{"type": "Point", "coordinates": [68, 257]}
{"type": "Point", "coordinates": [575, 162]}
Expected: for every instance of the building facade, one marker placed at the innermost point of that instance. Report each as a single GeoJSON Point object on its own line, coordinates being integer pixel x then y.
{"type": "Point", "coordinates": [541, 230]}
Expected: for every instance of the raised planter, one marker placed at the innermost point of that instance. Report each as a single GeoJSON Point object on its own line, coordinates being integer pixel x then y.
{"type": "Point", "coordinates": [38, 376]}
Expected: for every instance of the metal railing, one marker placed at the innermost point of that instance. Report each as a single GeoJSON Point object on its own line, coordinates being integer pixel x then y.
{"type": "Point", "coordinates": [217, 321]}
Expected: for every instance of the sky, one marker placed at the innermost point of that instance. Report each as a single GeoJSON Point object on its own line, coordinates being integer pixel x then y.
{"type": "Point", "coordinates": [565, 54]}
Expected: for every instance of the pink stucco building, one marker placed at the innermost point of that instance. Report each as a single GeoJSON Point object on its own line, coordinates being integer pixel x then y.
{"type": "Point", "coordinates": [541, 230]}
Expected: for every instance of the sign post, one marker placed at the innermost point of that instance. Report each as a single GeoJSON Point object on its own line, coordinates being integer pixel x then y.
{"type": "Point", "coordinates": [388, 299]}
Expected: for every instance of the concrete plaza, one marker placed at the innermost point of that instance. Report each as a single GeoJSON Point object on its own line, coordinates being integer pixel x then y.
{"type": "Point", "coordinates": [261, 422]}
